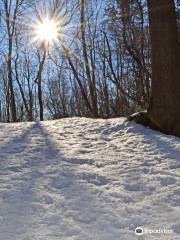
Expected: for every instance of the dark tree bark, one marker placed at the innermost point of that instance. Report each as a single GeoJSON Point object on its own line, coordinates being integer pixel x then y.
{"type": "Point", "coordinates": [91, 79]}
{"type": "Point", "coordinates": [10, 24]}
{"type": "Point", "coordinates": [164, 107]}
{"type": "Point", "coordinates": [10, 84]}
{"type": "Point", "coordinates": [39, 83]}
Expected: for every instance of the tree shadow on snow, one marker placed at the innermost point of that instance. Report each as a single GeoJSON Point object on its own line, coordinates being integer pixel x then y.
{"type": "Point", "coordinates": [42, 189]}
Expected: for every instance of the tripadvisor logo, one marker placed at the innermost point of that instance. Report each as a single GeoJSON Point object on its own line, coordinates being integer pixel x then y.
{"type": "Point", "coordinates": [139, 231]}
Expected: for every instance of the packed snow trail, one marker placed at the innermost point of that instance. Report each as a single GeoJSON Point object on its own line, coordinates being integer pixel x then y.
{"type": "Point", "coordinates": [86, 179]}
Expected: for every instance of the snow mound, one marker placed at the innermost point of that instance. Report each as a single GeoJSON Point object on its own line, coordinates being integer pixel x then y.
{"type": "Point", "coordinates": [87, 179]}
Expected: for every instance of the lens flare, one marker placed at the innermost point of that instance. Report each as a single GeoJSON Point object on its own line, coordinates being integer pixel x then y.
{"type": "Point", "coordinates": [46, 31]}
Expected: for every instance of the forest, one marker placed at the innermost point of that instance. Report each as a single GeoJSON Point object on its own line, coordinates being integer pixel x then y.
{"type": "Point", "coordinates": [97, 64]}
{"type": "Point", "coordinates": [89, 119]}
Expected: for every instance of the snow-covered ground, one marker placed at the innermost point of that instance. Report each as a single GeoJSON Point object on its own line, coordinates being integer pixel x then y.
{"type": "Point", "coordinates": [86, 179]}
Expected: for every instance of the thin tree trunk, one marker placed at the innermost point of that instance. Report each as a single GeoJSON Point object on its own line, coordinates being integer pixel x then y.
{"type": "Point", "coordinates": [91, 81]}
{"type": "Point", "coordinates": [41, 111]}
{"type": "Point", "coordinates": [10, 24]}
{"type": "Point", "coordinates": [10, 83]}
{"type": "Point", "coordinates": [66, 52]}
{"type": "Point", "coordinates": [39, 83]}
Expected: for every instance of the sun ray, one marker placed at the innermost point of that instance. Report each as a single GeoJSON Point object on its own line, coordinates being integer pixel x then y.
{"type": "Point", "coordinates": [47, 28]}
{"type": "Point", "coordinates": [46, 31]}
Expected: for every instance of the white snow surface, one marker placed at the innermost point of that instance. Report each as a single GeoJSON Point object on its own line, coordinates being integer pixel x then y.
{"type": "Point", "coordinates": [87, 179]}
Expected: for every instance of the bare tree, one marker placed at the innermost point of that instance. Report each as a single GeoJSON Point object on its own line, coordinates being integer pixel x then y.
{"type": "Point", "coordinates": [38, 80]}
{"type": "Point", "coordinates": [90, 75]}
{"type": "Point", "coordinates": [11, 13]}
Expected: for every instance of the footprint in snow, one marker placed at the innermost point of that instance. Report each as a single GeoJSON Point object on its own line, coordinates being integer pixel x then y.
{"type": "Point", "coordinates": [167, 181]}
{"type": "Point", "coordinates": [94, 179]}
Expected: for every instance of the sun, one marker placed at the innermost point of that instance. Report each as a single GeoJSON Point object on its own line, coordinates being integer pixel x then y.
{"type": "Point", "coordinates": [46, 31]}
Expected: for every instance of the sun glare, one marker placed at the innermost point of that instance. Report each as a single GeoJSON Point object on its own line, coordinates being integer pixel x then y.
{"type": "Point", "coordinates": [46, 31]}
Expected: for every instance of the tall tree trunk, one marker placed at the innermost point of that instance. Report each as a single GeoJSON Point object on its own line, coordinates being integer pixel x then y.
{"type": "Point", "coordinates": [10, 19]}
{"type": "Point", "coordinates": [164, 111]}
{"type": "Point", "coordinates": [10, 84]}
{"type": "Point", "coordinates": [39, 83]}
{"type": "Point", "coordinates": [41, 110]}
{"type": "Point", "coordinates": [91, 81]}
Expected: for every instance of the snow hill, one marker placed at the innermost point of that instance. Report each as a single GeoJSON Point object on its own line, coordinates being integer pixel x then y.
{"type": "Point", "coordinates": [86, 179]}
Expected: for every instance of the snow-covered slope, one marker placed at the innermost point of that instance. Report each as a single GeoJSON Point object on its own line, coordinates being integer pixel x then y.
{"type": "Point", "coordinates": [86, 179]}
